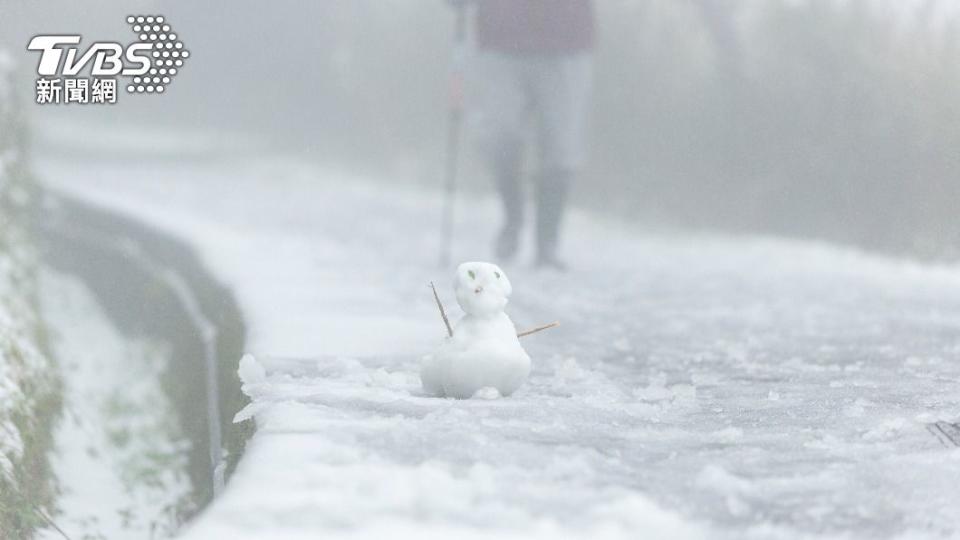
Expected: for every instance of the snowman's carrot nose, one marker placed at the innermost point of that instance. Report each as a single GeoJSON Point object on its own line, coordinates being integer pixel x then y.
{"type": "Point", "coordinates": [478, 290]}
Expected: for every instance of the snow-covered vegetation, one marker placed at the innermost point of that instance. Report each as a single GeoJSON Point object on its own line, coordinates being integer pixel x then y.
{"type": "Point", "coordinates": [121, 458]}
{"type": "Point", "coordinates": [28, 382]}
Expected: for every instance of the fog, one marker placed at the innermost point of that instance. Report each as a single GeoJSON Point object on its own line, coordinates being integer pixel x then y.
{"type": "Point", "coordinates": [756, 296]}
{"type": "Point", "coordinates": [827, 119]}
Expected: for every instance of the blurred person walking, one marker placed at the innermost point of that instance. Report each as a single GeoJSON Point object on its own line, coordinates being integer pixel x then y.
{"type": "Point", "coordinates": [533, 69]}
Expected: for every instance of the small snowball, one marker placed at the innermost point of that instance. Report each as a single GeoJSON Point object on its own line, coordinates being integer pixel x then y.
{"type": "Point", "coordinates": [487, 392]}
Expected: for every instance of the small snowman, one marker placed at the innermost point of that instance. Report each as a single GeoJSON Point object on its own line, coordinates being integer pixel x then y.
{"type": "Point", "coordinates": [483, 356]}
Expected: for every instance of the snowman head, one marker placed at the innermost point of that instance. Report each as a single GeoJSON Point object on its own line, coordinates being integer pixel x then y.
{"type": "Point", "coordinates": [482, 288]}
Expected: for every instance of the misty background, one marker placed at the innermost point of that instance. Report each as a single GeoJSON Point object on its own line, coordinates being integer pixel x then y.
{"type": "Point", "coordinates": [831, 119]}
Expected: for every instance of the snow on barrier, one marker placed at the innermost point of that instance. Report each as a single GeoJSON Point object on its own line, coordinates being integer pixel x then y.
{"type": "Point", "coordinates": [127, 264]}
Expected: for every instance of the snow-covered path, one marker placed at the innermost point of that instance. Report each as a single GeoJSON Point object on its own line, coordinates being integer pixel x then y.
{"type": "Point", "coordinates": [699, 387]}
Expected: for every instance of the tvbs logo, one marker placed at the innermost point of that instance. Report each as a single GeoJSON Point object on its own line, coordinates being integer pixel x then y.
{"type": "Point", "coordinates": [148, 64]}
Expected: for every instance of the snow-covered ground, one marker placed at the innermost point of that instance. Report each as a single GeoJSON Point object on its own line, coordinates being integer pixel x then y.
{"type": "Point", "coordinates": [119, 458]}
{"type": "Point", "coordinates": [699, 386]}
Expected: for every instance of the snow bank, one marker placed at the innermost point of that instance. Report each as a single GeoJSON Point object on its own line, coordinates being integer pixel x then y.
{"type": "Point", "coordinates": [392, 459]}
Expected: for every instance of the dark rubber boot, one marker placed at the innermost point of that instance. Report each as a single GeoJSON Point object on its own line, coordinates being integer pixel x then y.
{"type": "Point", "coordinates": [552, 191]}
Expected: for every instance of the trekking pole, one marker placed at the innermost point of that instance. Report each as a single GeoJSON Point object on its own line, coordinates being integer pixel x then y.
{"type": "Point", "coordinates": [454, 125]}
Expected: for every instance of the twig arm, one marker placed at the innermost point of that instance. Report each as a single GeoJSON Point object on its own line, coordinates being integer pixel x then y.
{"type": "Point", "coordinates": [443, 313]}
{"type": "Point", "coordinates": [537, 329]}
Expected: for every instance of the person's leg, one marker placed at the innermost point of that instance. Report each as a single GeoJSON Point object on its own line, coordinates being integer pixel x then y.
{"type": "Point", "coordinates": [507, 175]}
{"type": "Point", "coordinates": [498, 114]}
{"type": "Point", "coordinates": [552, 188]}
{"type": "Point", "coordinates": [563, 99]}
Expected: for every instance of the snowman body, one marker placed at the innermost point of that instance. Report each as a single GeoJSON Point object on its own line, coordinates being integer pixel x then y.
{"type": "Point", "coordinates": [484, 351]}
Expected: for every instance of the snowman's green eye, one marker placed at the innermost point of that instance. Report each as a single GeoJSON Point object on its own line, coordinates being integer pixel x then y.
{"type": "Point", "coordinates": [497, 274]}
{"type": "Point", "coordinates": [471, 274]}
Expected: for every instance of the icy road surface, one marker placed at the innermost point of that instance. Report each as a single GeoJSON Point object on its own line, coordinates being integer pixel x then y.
{"type": "Point", "coordinates": [699, 387]}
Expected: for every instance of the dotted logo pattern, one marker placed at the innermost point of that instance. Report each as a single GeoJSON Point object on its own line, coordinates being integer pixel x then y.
{"type": "Point", "coordinates": [168, 54]}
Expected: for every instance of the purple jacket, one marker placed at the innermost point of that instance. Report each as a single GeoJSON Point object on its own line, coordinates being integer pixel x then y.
{"type": "Point", "coordinates": [535, 26]}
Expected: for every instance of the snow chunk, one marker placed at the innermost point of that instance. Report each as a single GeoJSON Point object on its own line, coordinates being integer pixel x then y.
{"type": "Point", "coordinates": [731, 487]}
{"type": "Point", "coordinates": [715, 478]}
{"type": "Point", "coordinates": [251, 372]}
{"type": "Point", "coordinates": [569, 370]}
{"type": "Point", "coordinates": [887, 430]}
{"type": "Point", "coordinates": [487, 392]}
{"type": "Point", "coordinates": [639, 517]}
{"type": "Point", "coordinates": [657, 390]}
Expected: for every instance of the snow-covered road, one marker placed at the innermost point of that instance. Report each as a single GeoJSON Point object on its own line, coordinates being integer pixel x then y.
{"type": "Point", "coordinates": [700, 386]}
